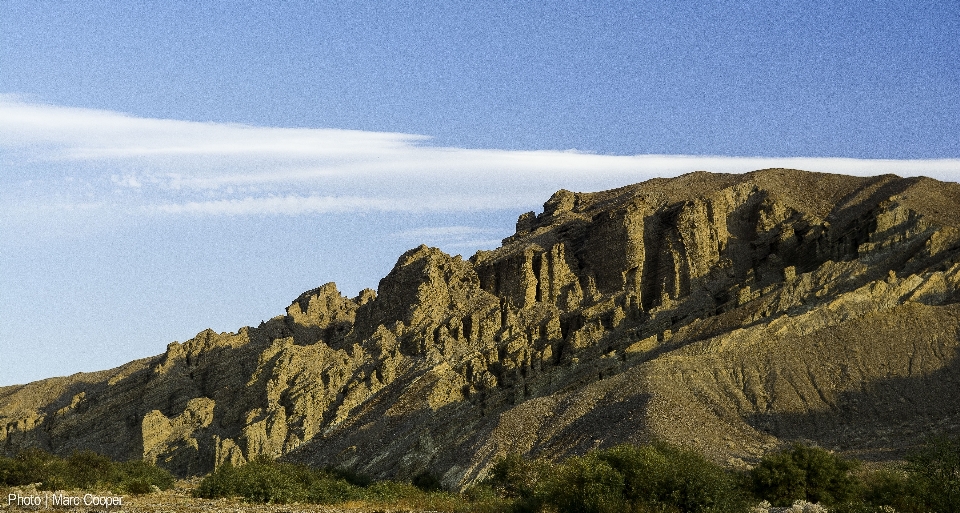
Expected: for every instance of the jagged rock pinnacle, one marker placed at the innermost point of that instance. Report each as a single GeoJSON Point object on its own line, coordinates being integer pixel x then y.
{"type": "Point", "coordinates": [729, 313]}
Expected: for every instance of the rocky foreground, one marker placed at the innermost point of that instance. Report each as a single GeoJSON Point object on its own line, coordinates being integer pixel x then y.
{"type": "Point", "coordinates": [726, 313]}
{"type": "Point", "coordinates": [176, 500]}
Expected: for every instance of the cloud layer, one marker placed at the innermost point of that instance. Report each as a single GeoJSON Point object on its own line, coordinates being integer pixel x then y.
{"type": "Point", "coordinates": [63, 160]}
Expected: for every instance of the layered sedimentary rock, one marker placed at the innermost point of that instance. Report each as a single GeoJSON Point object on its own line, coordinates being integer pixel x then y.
{"type": "Point", "coordinates": [728, 313]}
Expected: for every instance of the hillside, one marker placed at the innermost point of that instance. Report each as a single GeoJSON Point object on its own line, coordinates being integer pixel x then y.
{"type": "Point", "coordinates": [728, 313]}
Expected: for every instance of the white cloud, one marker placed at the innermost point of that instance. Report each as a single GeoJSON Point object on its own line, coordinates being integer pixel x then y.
{"type": "Point", "coordinates": [441, 231]}
{"type": "Point", "coordinates": [60, 155]}
{"type": "Point", "coordinates": [294, 204]}
{"type": "Point", "coordinates": [474, 244]}
{"type": "Point", "coordinates": [453, 239]}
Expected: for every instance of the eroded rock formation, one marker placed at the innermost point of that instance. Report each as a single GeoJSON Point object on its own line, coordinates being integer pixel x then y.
{"type": "Point", "coordinates": [724, 312]}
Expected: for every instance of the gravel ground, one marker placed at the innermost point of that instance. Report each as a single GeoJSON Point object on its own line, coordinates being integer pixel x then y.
{"type": "Point", "coordinates": [176, 500]}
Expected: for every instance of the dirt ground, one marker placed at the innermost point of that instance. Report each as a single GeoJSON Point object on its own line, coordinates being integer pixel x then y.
{"type": "Point", "coordinates": [175, 500]}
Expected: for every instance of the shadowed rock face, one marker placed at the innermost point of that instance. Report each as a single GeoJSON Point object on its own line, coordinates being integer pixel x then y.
{"type": "Point", "coordinates": [728, 313]}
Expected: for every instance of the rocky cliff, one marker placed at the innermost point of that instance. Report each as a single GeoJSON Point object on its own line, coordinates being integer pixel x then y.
{"type": "Point", "coordinates": [727, 313]}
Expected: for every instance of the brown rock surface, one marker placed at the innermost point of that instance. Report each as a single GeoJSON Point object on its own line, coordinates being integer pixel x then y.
{"type": "Point", "coordinates": [723, 312]}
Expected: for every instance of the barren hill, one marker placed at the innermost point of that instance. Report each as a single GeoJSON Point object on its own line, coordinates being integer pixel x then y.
{"type": "Point", "coordinates": [728, 313]}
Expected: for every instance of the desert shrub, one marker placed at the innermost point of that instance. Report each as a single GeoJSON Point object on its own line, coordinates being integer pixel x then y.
{"type": "Point", "coordinates": [81, 470]}
{"type": "Point", "coordinates": [34, 465]}
{"type": "Point", "coordinates": [893, 489]}
{"type": "Point", "coordinates": [349, 476]}
{"type": "Point", "coordinates": [219, 483]}
{"type": "Point", "coordinates": [514, 476]}
{"type": "Point", "coordinates": [654, 477]}
{"type": "Point", "coordinates": [329, 489]}
{"type": "Point", "coordinates": [482, 498]}
{"type": "Point", "coordinates": [139, 477]}
{"type": "Point", "coordinates": [391, 491]}
{"type": "Point", "coordinates": [509, 476]}
{"type": "Point", "coordinates": [427, 482]}
{"type": "Point", "coordinates": [481, 492]}
{"type": "Point", "coordinates": [268, 481]}
{"type": "Point", "coordinates": [261, 480]}
{"type": "Point", "coordinates": [7, 468]}
{"type": "Point", "coordinates": [807, 473]}
{"type": "Point", "coordinates": [587, 484]}
{"type": "Point", "coordinates": [137, 487]}
{"type": "Point", "coordinates": [521, 481]}
{"type": "Point", "coordinates": [660, 476]}
{"type": "Point", "coordinates": [87, 469]}
{"type": "Point", "coordinates": [934, 472]}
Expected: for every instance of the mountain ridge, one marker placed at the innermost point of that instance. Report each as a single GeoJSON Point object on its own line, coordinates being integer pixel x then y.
{"type": "Point", "coordinates": [728, 313]}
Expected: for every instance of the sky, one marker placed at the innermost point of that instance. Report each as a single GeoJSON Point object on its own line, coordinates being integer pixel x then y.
{"type": "Point", "coordinates": [167, 167]}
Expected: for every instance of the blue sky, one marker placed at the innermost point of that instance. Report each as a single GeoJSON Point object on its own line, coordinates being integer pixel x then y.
{"type": "Point", "coordinates": [167, 167]}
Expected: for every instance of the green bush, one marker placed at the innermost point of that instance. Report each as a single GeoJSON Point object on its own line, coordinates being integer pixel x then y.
{"type": "Point", "coordinates": [651, 478]}
{"type": "Point", "coordinates": [349, 476]}
{"type": "Point", "coordinates": [935, 473]}
{"type": "Point", "coordinates": [803, 472]}
{"type": "Point", "coordinates": [222, 482]}
{"type": "Point", "coordinates": [427, 482]}
{"type": "Point", "coordinates": [261, 480]}
{"type": "Point", "coordinates": [330, 490]}
{"type": "Point", "coordinates": [87, 469]}
{"type": "Point", "coordinates": [7, 469]}
{"type": "Point", "coordinates": [892, 488]}
{"type": "Point", "coordinates": [587, 484]}
{"type": "Point", "coordinates": [481, 492]}
{"type": "Point", "coordinates": [514, 476]}
{"type": "Point", "coordinates": [661, 476]}
{"type": "Point", "coordinates": [267, 481]}
{"type": "Point", "coordinates": [81, 470]}
{"type": "Point", "coordinates": [264, 481]}
{"type": "Point", "coordinates": [392, 491]}
{"type": "Point", "coordinates": [138, 477]}
{"type": "Point", "coordinates": [624, 478]}
{"type": "Point", "coordinates": [521, 481]}
{"type": "Point", "coordinates": [33, 466]}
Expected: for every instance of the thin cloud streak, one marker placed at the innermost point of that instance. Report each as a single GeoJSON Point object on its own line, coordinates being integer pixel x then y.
{"type": "Point", "coordinates": [453, 238]}
{"type": "Point", "coordinates": [93, 134]}
{"type": "Point", "coordinates": [294, 205]}
{"type": "Point", "coordinates": [475, 244]}
{"type": "Point", "coordinates": [153, 167]}
{"type": "Point", "coordinates": [441, 231]}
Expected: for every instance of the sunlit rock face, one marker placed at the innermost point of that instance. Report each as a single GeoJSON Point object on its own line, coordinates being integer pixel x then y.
{"type": "Point", "coordinates": [727, 313]}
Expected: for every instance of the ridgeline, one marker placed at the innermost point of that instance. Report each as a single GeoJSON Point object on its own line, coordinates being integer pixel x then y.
{"type": "Point", "coordinates": [724, 313]}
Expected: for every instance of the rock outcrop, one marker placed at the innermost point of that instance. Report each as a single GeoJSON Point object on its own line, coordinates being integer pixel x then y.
{"type": "Point", "coordinates": [727, 313]}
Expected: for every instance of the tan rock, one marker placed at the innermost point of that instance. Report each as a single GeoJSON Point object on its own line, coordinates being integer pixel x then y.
{"type": "Point", "coordinates": [724, 312]}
